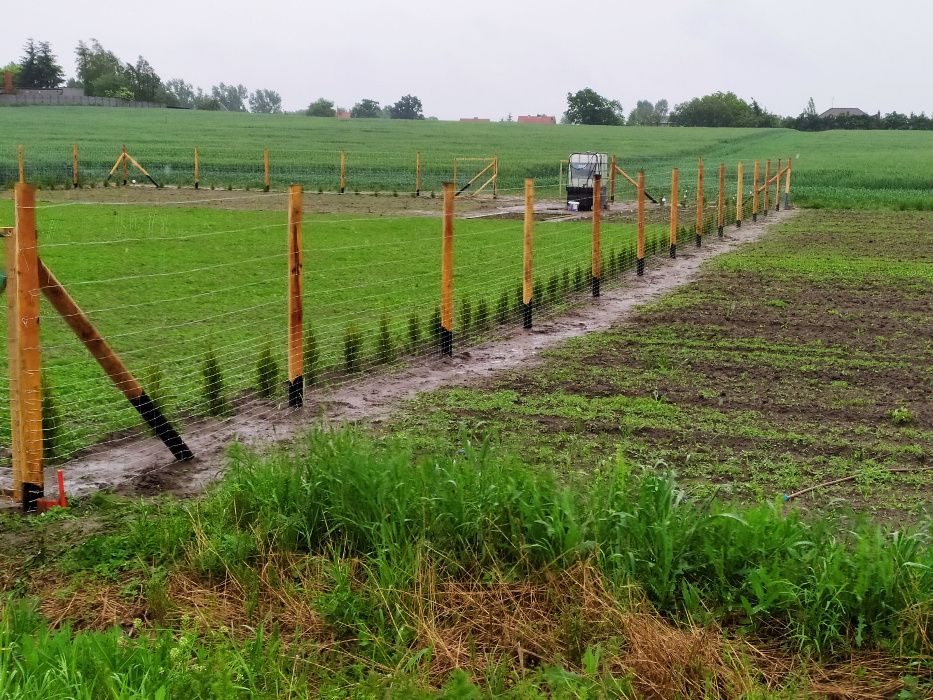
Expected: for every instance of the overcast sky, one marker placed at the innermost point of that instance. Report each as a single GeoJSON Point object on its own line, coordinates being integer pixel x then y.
{"type": "Point", "coordinates": [490, 58]}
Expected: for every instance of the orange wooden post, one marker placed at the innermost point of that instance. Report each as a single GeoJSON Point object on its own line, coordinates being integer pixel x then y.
{"type": "Point", "coordinates": [640, 245]}
{"type": "Point", "coordinates": [766, 204]}
{"type": "Point", "coordinates": [447, 272]}
{"type": "Point", "coordinates": [266, 179]}
{"type": "Point", "coordinates": [612, 178]}
{"type": "Point", "coordinates": [21, 158]}
{"type": "Point", "coordinates": [296, 358]}
{"type": "Point", "coordinates": [699, 226]}
{"type": "Point", "coordinates": [675, 186]}
{"type": "Point", "coordinates": [527, 257]}
{"type": "Point", "coordinates": [495, 177]}
{"type": "Point", "coordinates": [418, 174]}
{"type": "Point", "coordinates": [739, 194]}
{"type": "Point", "coordinates": [597, 217]}
{"type": "Point", "coordinates": [777, 187]}
{"type": "Point", "coordinates": [755, 190]}
{"type": "Point", "coordinates": [74, 166]}
{"type": "Point", "coordinates": [787, 186]}
{"type": "Point", "coordinates": [197, 168]}
{"type": "Point", "coordinates": [25, 358]}
{"type": "Point", "coordinates": [123, 159]}
{"type": "Point", "coordinates": [343, 172]}
{"type": "Point", "coordinates": [721, 203]}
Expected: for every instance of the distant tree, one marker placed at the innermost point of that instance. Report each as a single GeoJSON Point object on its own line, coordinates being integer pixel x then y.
{"type": "Point", "coordinates": [38, 67]}
{"type": "Point", "coordinates": [642, 115]}
{"type": "Point", "coordinates": [721, 109]}
{"type": "Point", "coordinates": [145, 82]}
{"type": "Point", "coordinates": [178, 93]}
{"type": "Point", "coordinates": [265, 102]}
{"type": "Point", "coordinates": [321, 108]}
{"type": "Point", "coordinates": [366, 109]}
{"type": "Point", "coordinates": [661, 111]}
{"type": "Point", "coordinates": [206, 102]}
{"type": "Point", "coordinates": [14, 68]}
{"type": "Point", "coordinates": [810, 111]}
{"type": "Point", "coordinates": [101, 71]}
{"type": "Point", "coordinates": [589, 107]}
{"type": "Point", "coordinates": [232, 98]}
{"type": "Point", "coordinates": [408, 107]}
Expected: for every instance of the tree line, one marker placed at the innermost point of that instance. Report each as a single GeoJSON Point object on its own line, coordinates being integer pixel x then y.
{"type": "Point", "coordinates": [586, 106]}
{"type": "Point", "coordinates": [101, 73]}
{"type": "Point", "coordinates": [407, 107]}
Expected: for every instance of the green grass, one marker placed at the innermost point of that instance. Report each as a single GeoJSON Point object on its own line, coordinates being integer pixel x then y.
{"type": "Point", "coordinates": [870, 169]}
{"type": "Point", "coordinates": [802, 358]}
{"type": "Point", "coordinates": [166, 285]}
{"type": "Point", "coordinates": [373, 539]}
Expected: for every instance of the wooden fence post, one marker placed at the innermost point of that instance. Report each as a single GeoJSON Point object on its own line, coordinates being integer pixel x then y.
{"type": "Point", "coordinates": [597, 249]}
{"type": "Point", "coordinates": [777, 187]}
{"type": "Point", "coordinates": [197, 168]}
{"type": "Point", "coordinates": [21, 158]}
{"type": "Point", "coordinates": [266, 179]}
{"type": "Point", "coordinates": [755, 190]}
{"type": "Point", "coordinates": [640, 245]}
{"type": "Point", "coordinates": [343, 172]}
{"type": "Point", "coordinates": [612, 179]}
{"type": "Point", "coordinates": [527, 259]}
{"type": "Point", "coordinates": [74, 166]}
{"type": "Point", "coordinates": [296, 358]}
{"type": "Point", "coordinates": [766, 204]}
{"type": "Point", "coordinates": [787, 186]}
{"type": "Point", "coordinates": [675, 186]}
{"type": "Point", "coordinates": [495, 177]}
{"type": "Point", "coordinates": [447, 273]}
{"type": "Point", "coordinates": [123, 159]}
{"type": "Point", "coordinates": [418, 174]}
{"type": "Point", "coordinates": [721, 203]}
{"type": "Point", "coordinates": [699, 226]}
{"type": "Point", "coordinates": [25, 357]}
{"type": "Point", "coordinates": [739, 194]}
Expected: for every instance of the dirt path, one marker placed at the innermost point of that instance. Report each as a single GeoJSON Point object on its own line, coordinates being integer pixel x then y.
{"type": "Point", "coordinates": [140, 465]}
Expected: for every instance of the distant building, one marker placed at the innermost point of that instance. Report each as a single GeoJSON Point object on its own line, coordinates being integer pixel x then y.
{"type": "Point", "coordinates": [474, 119]}
{"type": "Point", "coordinates": [537, 119]}
{"type": "Point", "coordinates": [843, 112]}
{"type": "Point", "coordinates": [343, 114]}
{"type": "Point", "coordinates": [66, 96]}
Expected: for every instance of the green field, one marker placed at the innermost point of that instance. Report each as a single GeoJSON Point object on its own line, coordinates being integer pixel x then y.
{"type": "Point", "coordinates": [802, 358]}
{"type": "Point", "coordinates": [165, 285]}
{"type": "Point", "coordinates": [841, 169]}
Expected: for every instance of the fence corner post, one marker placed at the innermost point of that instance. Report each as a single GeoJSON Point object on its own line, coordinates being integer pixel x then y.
{"type": "Point", "coordinates": [25, 356]}
{"type": "Point", "coordinates": [675, 186]}
{"type": "Point", "coordinates": [699, 226]}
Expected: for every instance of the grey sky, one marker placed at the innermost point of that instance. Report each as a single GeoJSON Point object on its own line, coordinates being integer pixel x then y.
{"type": "Point", "coordinates": [489, 58]}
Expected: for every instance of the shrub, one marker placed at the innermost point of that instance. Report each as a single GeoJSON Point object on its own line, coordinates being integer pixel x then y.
{"type": "Point", "coordinates": [565, 282]}
{"type": "Point", "coordinates": [578, 283]}
{"type": "Point", "coordinates": [553, 286]}
{"type": "Point", "coordinates": [502, 309]}
{"type": "Point", "coordinates": [482, 315]}
{"type": "Point", "coordinates": [312, 366]}
{"type": "Point", "coordinates": [352, 347]}
{"type": "Point", "coordinates": [537, 294]}
{"type": "Point", "coordinates": [51, 421]}
{"type": "Point", "coordinates": [466, 315]}
{"type": "Point", "coordinates": [267, 372]}
{"type": "Point", "coordinates": [414, 332]}
{"type": "Point", "coordinates": [434, 326]}
{"type": "Point", "coordinates": [385, 347]}
{"type": "Point", "coordinates": [213, 386]}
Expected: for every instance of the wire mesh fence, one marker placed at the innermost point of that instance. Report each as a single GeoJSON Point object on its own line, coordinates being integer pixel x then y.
{"type": "Point", "coordinates": [193, 300]}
